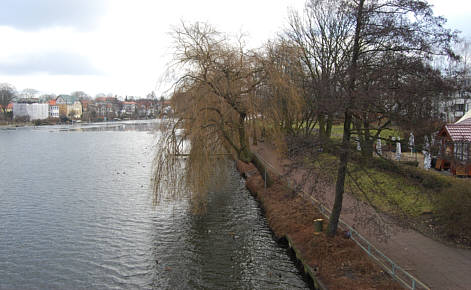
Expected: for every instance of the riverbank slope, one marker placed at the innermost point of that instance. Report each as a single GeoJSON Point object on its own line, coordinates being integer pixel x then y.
{"type": "Point", "coordinates": [337, 263]}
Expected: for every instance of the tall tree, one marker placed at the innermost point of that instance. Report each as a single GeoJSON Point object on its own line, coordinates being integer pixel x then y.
{"type": "Point", "coordinates": [217, 80]}
{"type": "Point", "coordinates": [383, 28]}
{"type": "Point", "coordinates": [281, 97]}
{"type": "Point", "coordinates": [323, 36]}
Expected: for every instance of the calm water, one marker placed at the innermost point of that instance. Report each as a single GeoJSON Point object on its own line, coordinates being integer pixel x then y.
{"type": "Point", "coordinates": [76, 213]}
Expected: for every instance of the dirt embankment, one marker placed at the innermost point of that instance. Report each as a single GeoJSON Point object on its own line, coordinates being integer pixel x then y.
{"type": "Point", "coordinates": [337, 262]}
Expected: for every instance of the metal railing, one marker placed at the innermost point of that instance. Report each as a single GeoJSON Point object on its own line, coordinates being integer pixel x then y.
{"type": "Point", "coordinates": [396, 272]}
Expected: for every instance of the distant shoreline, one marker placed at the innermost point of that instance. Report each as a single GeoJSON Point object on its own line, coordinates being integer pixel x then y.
{"type": "Point", "coordinates": [31, 124]}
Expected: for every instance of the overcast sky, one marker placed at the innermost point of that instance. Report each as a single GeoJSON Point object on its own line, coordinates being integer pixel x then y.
{"type": "Point", "coordinates": [122, 46]}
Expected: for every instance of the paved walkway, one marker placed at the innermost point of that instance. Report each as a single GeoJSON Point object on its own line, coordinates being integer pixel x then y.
{"type": "Point", "coordinates": [437, 265]}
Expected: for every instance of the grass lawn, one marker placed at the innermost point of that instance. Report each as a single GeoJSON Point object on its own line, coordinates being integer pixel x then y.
{"type": "Point", "coordinates": [433, 203]}
{"type": "Point", "coordinates": [388, 191]}
{"type": "Point", "coordinates": [337, 132]}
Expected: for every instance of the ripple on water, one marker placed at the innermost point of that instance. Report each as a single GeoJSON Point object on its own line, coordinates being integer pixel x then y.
{"type": "Point", "coordinates": [69, 221]}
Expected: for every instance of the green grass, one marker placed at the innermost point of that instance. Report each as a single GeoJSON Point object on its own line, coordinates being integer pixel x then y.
{"type": "Point", "coordinates": [407, 192]}
{"type": "Point", "coordinates": [388, 191]}
{"type": "Point", "coordinates": [337, 132]}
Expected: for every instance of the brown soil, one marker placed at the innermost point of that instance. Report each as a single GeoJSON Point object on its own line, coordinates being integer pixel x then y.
{"type": "Point", "coordinates": [338, 262]}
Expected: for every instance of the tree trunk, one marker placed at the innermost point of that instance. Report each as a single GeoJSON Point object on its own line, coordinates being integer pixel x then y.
{"type": "Point", "coordinates": [254, 137]}
{"type": "Point", "coordinates": [322, 131]}
{"type": "Point", "coordinates": [328, 128]}
{"type": "Point", "coordinates": [344, 155]}
{"type": "Point", "coordinates": [367, 147]}
{"type": "Point", "coordinates": [340, 185]}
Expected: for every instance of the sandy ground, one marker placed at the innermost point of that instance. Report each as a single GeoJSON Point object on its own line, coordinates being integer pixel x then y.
{"type": "Point", "coordinates": [437, 265]}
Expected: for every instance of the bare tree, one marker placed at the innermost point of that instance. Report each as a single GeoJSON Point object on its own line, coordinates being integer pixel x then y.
{"type": "Point", "coordinates": [29, 93]}
{"type": "Point", "coordinates": [7, 93]}
{"type": "Point", "coordinates": [47, 97]}
{"type": "Point", "coordinates": [322, 34]}
{"type": "Point", "coordinates": [80, 95]}
{"type": "Point", "coordinates": [383, 27]}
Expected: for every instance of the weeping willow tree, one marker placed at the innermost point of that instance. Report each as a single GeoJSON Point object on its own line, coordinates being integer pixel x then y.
{"type": "Point", "coordinates": [213, 95]}
{"type": "Point", "coordinates": [284, 95]}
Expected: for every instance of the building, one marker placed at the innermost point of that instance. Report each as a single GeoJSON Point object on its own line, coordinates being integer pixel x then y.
{"type": "Point", "coordinates": [69, 106]}
{"type": "Point", "coordinates": [85, 104]}
{"type": "Point", "coordinates": [454, 109]}
{"type": "Point", "coordinates": [129, 108]}
{"type": "Point", "coordinates": [53, 109]}
{"type": "Point", "coordinates": [457, 103]}
{"type": "Point", "coordinates": [7, 112]}
{"type": "Point", "coordinates": [30, 110]}
{"type": "Point", "coordinates": [455, 148]}
{"type": "Point", "coordinates": [146, 108]}
{"type": "Point", "coordinates": [8, 109]}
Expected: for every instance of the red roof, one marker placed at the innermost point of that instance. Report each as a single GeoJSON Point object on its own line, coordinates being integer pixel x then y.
{"type": "Point", "coordinates": [459, 132]}
{"type": "Point", "coordinates": [52, 102]}
{"type": "Point", "coordinates": [9, 106]}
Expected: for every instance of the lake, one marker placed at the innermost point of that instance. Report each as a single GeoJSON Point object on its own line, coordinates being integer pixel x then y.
{"type": "Point", "coordinates": [76, 212]}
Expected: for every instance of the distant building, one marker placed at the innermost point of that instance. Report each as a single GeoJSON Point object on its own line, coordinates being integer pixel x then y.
{"type": "Point", "coordinates": [85, 104]}
{"type": "Point", "coordinates": [146, 108]}
{"type": "Point", "coordinates": [30, 110]}
{"type": "Point", "coordinates": [69, 106]}
{"type": "Point", "coordinates": [8, 109]}
{"type": "Point", "coordinates": [129, 108]}
{"type": "Point", "coordinates": [107, 107]}
{"type": "Point", "coordinates": [53, 109]}
{"type": "Point", "coordinates": [457, 103]}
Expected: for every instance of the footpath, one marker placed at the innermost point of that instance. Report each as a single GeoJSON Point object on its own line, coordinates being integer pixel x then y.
{"type": "Point", "coordinates": [437, 265]}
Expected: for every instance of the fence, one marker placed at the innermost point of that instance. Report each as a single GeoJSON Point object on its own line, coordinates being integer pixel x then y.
{"type": "Point", "coordinates": [401, 275]}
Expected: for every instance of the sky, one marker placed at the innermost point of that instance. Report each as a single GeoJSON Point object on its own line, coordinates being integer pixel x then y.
{"type": "Point", "coordinates": [122, 46]}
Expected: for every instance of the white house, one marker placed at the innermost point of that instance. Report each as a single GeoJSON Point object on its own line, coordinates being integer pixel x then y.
{"type": "Point", "coordinates": [53, 109]}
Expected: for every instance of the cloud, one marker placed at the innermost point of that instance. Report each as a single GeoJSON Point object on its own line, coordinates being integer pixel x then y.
{"type": "Point", "coordinates": [53, 63]}
{"type": "Point", "coordinates": [38, 14]}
